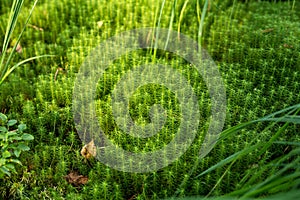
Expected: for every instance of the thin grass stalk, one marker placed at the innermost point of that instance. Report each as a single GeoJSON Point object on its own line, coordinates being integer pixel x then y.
{"type": "Point", "coordinates": [256, 189]}
{"type": "Point", "coordinates": [15, 10]}
{"type": "Point", "coordinates": [232, 10]}
{"type": "Point", "coordinates": [247, 150]}
{"type": "Point", "coordinates": [11, 22]}
{"type": "Point", "coordinates": [293, 6]}
{"type": "Point", "coordinates": [171, 23]}
{"type": "Point", "coordinates": [203, 13]}
{"type": "Point", "coordinates": [154, 25]}
{"type": "Point", "coordinates": [181, 16]}
{"type": "Point", "coordinates": [201, 25]}
{"type": "Point", "coordinates": [229, 159]}
{"type": "Point", "coordinates": [220, 179]}
{"type": "Point", "coordinates": [247, 186]}
{"type": "Point", "coordinates": [20, 35]}
{"type": "Point", "coordinates": [10, 70]}
{"type": "Point", "coordinates": [226, 134]}
{"type": "Point", "coordinates": [158, 26]}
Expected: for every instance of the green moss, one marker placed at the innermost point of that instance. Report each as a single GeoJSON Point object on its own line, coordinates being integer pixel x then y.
{"type": "Point", "coordinates": [256, 47]}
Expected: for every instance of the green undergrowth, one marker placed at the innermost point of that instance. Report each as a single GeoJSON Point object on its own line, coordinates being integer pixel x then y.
{"type": "Point", "coordinates": [255, 45]}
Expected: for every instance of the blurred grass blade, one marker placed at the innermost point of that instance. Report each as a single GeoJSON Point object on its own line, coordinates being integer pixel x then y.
{"type": "Point", "coordinates": [292, 195]}
{"type": "Point", "coordinates": [291, 119]}
{"type": "Point", "coordinates": [21, 63]}
{"type": "Point", "coordinates": [249, 149]}
{"type": "Point", "coordinates": [201, 25]}
{"type": "Point", "coordinates": [14, 13]}
{"type": "Point", "coordinates": [157, 30]}
{"type": "Point", "coordinates": [259, 188]}
{"type": "Point", "coordinates": [287, 143]}
{"type": "Point", "coordinates": [171, 23]}
{"type": "Point", "coordinates": [229, 159]}
{"type": "Point", "coordinates": [291, 109]}
{"type": "Point", "coordinates": [181, 16]}
{"type": "Point", "coordinates": [158, 22]}
{"type": "Point", "coordinates": [16, 9]}
{"type": "Point", "coordinates": [235, 129]}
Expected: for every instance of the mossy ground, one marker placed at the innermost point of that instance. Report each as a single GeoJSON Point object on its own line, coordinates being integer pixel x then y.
{"type": "Point", "coordinates": [255, 45]}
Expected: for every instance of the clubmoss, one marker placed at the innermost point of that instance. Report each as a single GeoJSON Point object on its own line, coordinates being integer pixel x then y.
{"type": "Point", "coordinates": [256, 48]}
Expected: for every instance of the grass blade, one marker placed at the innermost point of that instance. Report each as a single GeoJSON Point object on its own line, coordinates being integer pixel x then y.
{"type": "Point", "coordinates": [171, 22]}
{"type": "Point", "coordinates": [200, 30]}
{"type": "Point", "coordinates": [21, 63]}
{"type": "Point", "coordinates": [18, 40]}
{"type": "Point", "coordinates": [14, 13]}
{"type": "Point", "coordinates": [181, 16]}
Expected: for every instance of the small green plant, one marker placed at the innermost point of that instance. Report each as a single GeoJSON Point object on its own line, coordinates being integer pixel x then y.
{"type": "Point", "coordinates": [12, 144]}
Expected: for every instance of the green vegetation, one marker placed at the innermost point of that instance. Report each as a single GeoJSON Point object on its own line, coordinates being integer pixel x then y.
{"type": "Point", "coordinates": [256, 45]}
{"type": "Point", "coordinates": [5, 68]}
{"type": "Point", "coordinates": [12, 144]}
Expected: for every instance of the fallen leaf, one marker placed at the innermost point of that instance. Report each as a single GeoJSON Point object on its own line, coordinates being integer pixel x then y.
{"type": "Point", "coordinates": [75, 179]}
{"type": "Point", "coordinates": [89, 150]}
{"type": "Point", "coordinates": [35, 27]}
{"type": "Point", "coordinates": [287, 46]}
{"type": "Point", "coordinates": [99, 24]}
{"type": "Point", "coordinates": [56, 73]}
{"type": "Point", "coordinates": [268, 30]}
{"type": "Point", "coordinates": [19, 48]}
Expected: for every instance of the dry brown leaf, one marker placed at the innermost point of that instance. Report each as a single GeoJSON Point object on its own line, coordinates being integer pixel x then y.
{"type": "Point", "coordinates": [75, 179]}
{"type": "Point", "coordinates": [19, 48]}
{"type": "Point", "coordinates": [268, 30]}
{"type": "Point", "coordinates": [288, 46]}
{"type": "Point", "coordinates": [89, 150]}
{"type": "Point", "coordinates": [56, 73]}
{"type": "Point", "coordinates": [99, 24]}
{"type": "Point", "coordinates": [35, 27]}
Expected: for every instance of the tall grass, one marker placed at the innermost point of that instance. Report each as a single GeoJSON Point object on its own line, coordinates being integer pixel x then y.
{"type": "Point", "coordinates": [5, 62]}
{"type": "Point", "coordinates": [285, 171]}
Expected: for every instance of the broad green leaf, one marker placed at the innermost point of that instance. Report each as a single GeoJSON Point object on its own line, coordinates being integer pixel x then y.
{"type": "Point", "coordinates": [6, 154]}
{"type": "Point", "coordinates": [15, 137]}
{"type": "Point", "coordinates": [12, 133]}
{"type": "Point", "coordinates": [3, 117]}
{"type": "Point", "coordinates": [15, 161]}
{"type": "Point", "coordinates": [2, 161]}
{"type": "Point", "coordinates": [23, 147]}
{"type": "Point", "coordinates": [5, 170]}
{"type": "Point", "coordinates": [3, 129]}
{"type": "Point", "coordinates": [10, 167]}
{"type": "Point", "coordinates": [11, 122]}
{"type": "Point", "coordinates": [2, 136]}
{"type": "Point", "coordinates": [17, 152]}
{"type": "Point", "coordinates": [27, 136]}
{"type": "Point", "coordinates": [21, 127]}
{"type": "Point", "coordinates": [4, 146]}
